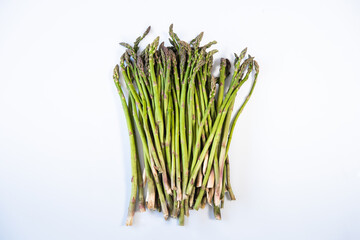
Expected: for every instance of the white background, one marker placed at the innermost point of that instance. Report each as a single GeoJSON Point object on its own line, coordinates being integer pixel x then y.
{"type": "Point", "coordinates": [64, 151]}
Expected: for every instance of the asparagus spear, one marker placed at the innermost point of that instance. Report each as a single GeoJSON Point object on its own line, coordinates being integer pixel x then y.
{"type": "Point", "coordinates": [134, 173]}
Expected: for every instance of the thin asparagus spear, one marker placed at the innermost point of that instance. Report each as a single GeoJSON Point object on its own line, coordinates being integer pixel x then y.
{"type": "Point", "coordinates": [173, 158]}
{"type": "Point", "coordinates": [232, 196]}
{"type": "Point", "coordinates": [134, 177]}
{"type": "Point", "coordinates": [176, 76]}
{"type": "Point", "coordinates": [221, 82]}
{"type": "Point", "coordinates": [242, 106]}
{"type": "Point", "coordinates": [167, 83]}
{"type": "Point", "coordinates": [228, 185]}
{"type": "Point", "coordinates": [183, 137]}
{"type": "Point", "coordinates": [184, 153]}
{"type": "Point", "coordinates": [177, 150]}
{"type": "Point", "coordinates": [132, 108]}
{"type": "Point", "coordinates": [222, 195]}
{"type": "Point", "coordinates": [168, 133]}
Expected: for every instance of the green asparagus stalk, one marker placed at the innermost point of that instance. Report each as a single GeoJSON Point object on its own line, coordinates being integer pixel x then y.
{"type": "Point", "coordinates": [131, 105]}
{"type": "Point", "coordinates": [134, 178]}
{"type": "Point", "coordinates": [221, 82]}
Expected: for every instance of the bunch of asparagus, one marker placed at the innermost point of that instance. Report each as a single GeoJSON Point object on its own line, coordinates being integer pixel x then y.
{"type": "Point", "coordinates": [183, 115]}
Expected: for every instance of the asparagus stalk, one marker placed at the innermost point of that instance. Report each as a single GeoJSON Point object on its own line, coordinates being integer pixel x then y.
{"type": "Point", "coordinates": [132, 109]}
{"type": "Point", "coordinates": [134, 178]}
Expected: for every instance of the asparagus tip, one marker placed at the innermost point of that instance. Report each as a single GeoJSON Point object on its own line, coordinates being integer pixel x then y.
{"type": "Point", "coordinates": [256, 66]}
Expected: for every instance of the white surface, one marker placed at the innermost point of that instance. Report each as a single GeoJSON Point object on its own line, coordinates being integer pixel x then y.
{"type": "Point", "coordinates": [64, 153]}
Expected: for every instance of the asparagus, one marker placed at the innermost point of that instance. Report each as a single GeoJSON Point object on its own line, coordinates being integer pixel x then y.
{"type": "Point", "coordinates": [134, 172]}
{"type": "Point", "coordinates": [183, 114]}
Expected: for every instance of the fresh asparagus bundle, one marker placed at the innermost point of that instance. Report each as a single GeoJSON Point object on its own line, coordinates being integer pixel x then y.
{"type": "Point", "coordinates": [183, 115]}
